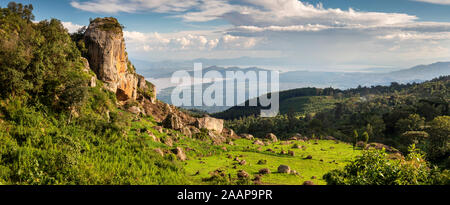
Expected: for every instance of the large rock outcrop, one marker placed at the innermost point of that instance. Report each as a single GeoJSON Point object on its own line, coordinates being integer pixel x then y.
{"type": "Point", "coordinates": [210, 124]}
{"type": "Point", "coordinates": [108, 59]}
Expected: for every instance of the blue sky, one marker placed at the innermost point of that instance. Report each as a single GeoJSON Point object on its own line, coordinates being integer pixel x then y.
{"type": "Point", "coordinates": [308, 33]}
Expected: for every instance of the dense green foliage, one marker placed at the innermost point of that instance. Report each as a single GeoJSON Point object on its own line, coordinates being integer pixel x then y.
{"type": "Point", "coordinates": [374, 168]}
{"type": "Point", "coordinates": [397, 115]}
{"type": "Point", "coordinates": [54, 129]}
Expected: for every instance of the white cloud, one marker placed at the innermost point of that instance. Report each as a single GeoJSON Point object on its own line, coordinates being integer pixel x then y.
{"type": "Point", "coordinates": [132, 6]}
{"type": "Point", "coordinates": [443, 2]}
{"type": "Point", "coordinates": [310, 34]}
{"type": "Point", "coordinates": [71, 27]}
{"type": "Point", "coordinates": [186, 40]}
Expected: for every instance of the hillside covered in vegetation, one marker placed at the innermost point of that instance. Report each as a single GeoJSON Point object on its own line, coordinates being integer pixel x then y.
{"type": "Point", "coordinates": [73, 110]}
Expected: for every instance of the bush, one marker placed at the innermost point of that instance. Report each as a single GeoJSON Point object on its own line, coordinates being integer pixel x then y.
{"type": "Point", "coordinates": [374, 168]}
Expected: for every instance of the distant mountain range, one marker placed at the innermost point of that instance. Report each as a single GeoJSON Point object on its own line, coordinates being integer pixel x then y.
{"type": "Point", "coordinates": [340, 80]}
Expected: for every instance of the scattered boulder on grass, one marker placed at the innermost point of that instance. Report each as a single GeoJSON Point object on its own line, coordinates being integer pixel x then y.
{"type": "Point", "coordinates": [243, 162]}
{"type": "Point", "coordinates": [309, 157]}
{"type": "Point", "coordinates": [262, 161]}
{"type": "Point", "coordinates": [264, 171]}
{"type": "Point", "coordinates": [272, 137]}
{"type": "Point", "coordinates": [224, 149]}
{"type": "Point", "coordinates": [257, 179]}
{"type": "Point", "coordinates": [285, 142]}
{"type": "Point", "coordinates": [308, 183]}
{"type": "Point", "coordinates": [248, 136]}
{"type": "Point", "coordinates": [159, 151]}
{"type": "Point", "coordinates": [292, 153]}
{"type": "Point", "coordinates": [269, 150]}
{"type": "Point", "coordinates": [237, 159]}
{"type": "Point", "coordinates": [229, 156]}
{"type": "Point", "coordinates": [284, 169]}
{"type": "Point", "coordinates": [283, 152]}
{"type": "Point", "coordinates": [258, 142]}
{"type": "Point", "coordinates": [293, 172]}
{"type": "Point", "coordinates": [313, 177]}
{"type": "Point", "coordinates": [259, 148]}
{"type": "Point", "coordinates": [297, 146]}
{"type": "Point", "coordinates": [180, 153]}
{"type": "Point", "coordinates": [242, 174]}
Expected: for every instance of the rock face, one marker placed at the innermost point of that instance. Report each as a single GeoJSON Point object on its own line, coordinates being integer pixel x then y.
{"type": "Point", "coordinates": [172, 121]}
{"type": "Point", "coordinates": [210, 124]}
{"type": "Point", "coordinates": [108, 59]}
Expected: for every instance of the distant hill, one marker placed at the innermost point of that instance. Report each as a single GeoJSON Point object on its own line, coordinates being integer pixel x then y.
{"type": "Point", "coordinates": [313, 100]}
{"type": "Point", "coordinates": [337, 80]}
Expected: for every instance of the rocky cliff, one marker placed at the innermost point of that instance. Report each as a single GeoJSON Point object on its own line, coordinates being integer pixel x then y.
{"type": "Point", "coordinates": [109, 61]}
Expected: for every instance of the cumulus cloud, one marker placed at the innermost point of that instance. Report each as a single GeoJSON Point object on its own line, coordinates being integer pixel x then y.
{"type": "Point", "coordinates": [71, 27]}
{"type": "Point", "coordinates": [443, 2]}
{"type": "Point", "coordinates": [186, 41]}
{"type": "Point", "coordinates": [131, 6]}
{"type": "Point", "coordinates": [302, 31]}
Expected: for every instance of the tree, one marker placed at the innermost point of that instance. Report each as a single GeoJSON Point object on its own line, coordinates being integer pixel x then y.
{"type": "Point", "coordinates": [414, 122]}
{"type": "Point", "coordinates": [438, 142]}
{"type": "Point", "coordinates": [355, 138]}
{"type": "Point", "coordinates": [375, 168]}
{"type": "Point", "coordinates": [365, 137]}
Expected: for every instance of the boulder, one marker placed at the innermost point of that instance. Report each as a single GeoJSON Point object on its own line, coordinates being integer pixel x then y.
{"type": "Point", "coordinates": [242, 174]}
{"type": "Point", "coordinates": [292, 153]}
{"type": "Point", "coordinates": [159, 151]}
{"type": "Point", "coordinates": [262, 161]}
{"type": "Point", "coordinates": [272, 137]}
{"type": "Point", "coordinates": [309, 157]}
{"type": "Point", "coordinates": [172, 121]}
{"type": "Point", "coordinates": [146, 89]}
{"type": "Point", "coordinates": [186, 131]}
{"type": "Point", "coordinates": [168, 141]}
{"type": "Point", "coordinates": [87, 69]}
{"type": "Point", "coordinates": [284, 169]}
{"type": "Point", "coordinates": [308, 183]}
{"type": "Point", "coordinates": [258, 142]}
{"type": "Point", "coordinates": [248, 136]}
{"type": "Point", "coordinates": [180, 153]}
{"type": "Point", "coordinates": [229, 133]}
{"type": "Point", "coordinates": [210, 123]}
{"type": "Point", "coordinates": [264, 171]}
{"type": "Point", "coordinates": [135, 110]}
